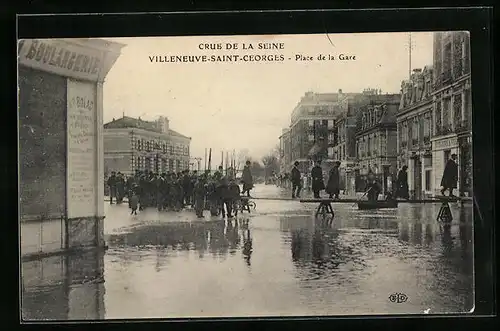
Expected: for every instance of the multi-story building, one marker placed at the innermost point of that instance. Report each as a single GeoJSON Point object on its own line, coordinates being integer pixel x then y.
{"type": "Point", "coordinates": [285, 151]}
{"type": "Point", "coordinates": [324, 126]}
{"type": "Point", "coordinates": [452, 107]}
{"type": "Point", "coordinates": [414, 123]}
{"type": "Point", "coordinates": [133, 144]}
{"type": "Point", "coordinates": [376, 139]}
{"type": "Point", "coordinates": [312, 121]}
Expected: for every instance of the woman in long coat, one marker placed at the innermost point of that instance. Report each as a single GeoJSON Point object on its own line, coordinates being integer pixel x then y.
{"type": "Point", "coordinates": [333, 185]}
{"type": "Point", "coordinates": [317, 179]}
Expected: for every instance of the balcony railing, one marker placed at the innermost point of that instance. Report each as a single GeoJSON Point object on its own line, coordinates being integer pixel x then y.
{"type": "Point", "coordinates": [446, 76]}
{"type": "Point", "coordinates": [427, 140]}
{"type": "Point", "coordinates": [462, 126]}
{"type": "Point", "coordinates": [443, 130]}
{"type": "Point", "coordinates": [414, 142]}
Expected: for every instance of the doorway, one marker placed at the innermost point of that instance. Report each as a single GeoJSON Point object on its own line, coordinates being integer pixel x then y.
{"type": "Point", "coordinates": [417, 178]}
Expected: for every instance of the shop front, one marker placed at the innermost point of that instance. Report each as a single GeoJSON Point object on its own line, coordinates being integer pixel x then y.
{"type": "Point", "coordinates": [61, 142]}
{"type": "Point", "coordinates": [442, 149]}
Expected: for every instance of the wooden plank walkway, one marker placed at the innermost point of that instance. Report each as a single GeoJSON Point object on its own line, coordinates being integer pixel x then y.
{"type": "Point", "coordinates": [436, 200]}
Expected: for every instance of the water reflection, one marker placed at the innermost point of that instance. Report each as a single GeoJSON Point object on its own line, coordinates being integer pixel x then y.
{"type": "Point", "coordinates": [63, 287]}
{"type": "Point", "coordinates": [218, 237]}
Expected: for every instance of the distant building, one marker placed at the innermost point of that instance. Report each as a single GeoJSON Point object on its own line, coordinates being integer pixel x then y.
{"type": "Point", "coordinates": [376, 139]}
{"type": "Point", "coordinates": [452, 125]}
{"type": "Point", "coordinates": [285, 152]}
{"type": "Point", "coordinates": [133, 144]}
{"type": "Point", "coordinates": [414, 119]}
{"type": "Point", "coordinates": [311, 120]}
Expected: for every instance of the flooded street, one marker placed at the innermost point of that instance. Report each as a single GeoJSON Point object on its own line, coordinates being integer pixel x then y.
{"type": "Point", "coordinates": [275, 261]}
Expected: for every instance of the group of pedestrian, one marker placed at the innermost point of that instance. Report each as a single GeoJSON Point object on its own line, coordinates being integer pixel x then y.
{"type": "Point", "coordinates": [216, 192]}
{"type": "Point", "coordinates": [317, 182]}
{"type": "Point", "coordinates": [448, 181]}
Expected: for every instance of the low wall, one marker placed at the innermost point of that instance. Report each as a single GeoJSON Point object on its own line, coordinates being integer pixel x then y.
{"type": "Point", "coordinates": [48, 237]}
{"type": "Point", "coordinates": [42, 236]}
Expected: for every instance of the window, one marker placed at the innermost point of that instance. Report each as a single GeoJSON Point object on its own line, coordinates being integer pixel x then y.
{"type": "Point", "coordinates": [311, 137]}
{"type": "Point", "coordinates": [330, 124]}
{"type": "Point", "coordinates": [311, 123]}
{"type": "Point", "coordinates": [330, 152]}
{"type": "Point", "coordinates": [428, 180]}
{"type": "Point", "coordinates": [139, 145]}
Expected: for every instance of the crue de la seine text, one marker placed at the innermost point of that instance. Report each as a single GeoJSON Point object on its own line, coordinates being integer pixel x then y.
{"type": "Point", "coordinates": [252, 52]}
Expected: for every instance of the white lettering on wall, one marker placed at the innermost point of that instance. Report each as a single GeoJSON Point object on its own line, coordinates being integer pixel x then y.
{"type": "Point", "coordinates": [82, 154]}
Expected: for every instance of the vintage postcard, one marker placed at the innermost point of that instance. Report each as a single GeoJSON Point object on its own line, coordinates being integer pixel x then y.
{"type": "Point", "coordinates": [246, 176]}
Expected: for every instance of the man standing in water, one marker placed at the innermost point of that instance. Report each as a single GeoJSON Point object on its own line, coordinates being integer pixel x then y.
{"type": "Point", "coordinates": [450, 176]}
{"type": "Point", "coordinates": [402, 182]}
{"type": "Point", "coordinates": [247, 179]}
{"type": "Point", "coordinates": [317, 179]}
{"type": "Point", "coordinates": [296, 181]}
{"type": "Point", "coordinates": [333, 185]}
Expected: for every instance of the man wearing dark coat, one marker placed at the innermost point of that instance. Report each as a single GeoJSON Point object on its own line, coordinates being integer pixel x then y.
{"type": "Point", "coordinates": [333, 185]}
{"type": "Point", "coordinates": [112, 186]}
{"type": "Point", "coordinates": [120, 187]}
{"type": "Point", "coordinates": [402, 182]}
{"type": "Point", "coordinates": [200, 191]}
{"type": "Point", "coordinates": [296, 181]}
{"type": "Point", "coordinates": [317, 179]}
{"type": "Point", "coordinates": [450, 176]}
{"type": "Point", "coordinates": [372, 187]}
{"type": "Point", "coordinates": [247, 179]}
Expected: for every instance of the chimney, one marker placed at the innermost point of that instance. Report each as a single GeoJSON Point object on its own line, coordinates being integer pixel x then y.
{"type": "Point", "coordinates": [163, 124]}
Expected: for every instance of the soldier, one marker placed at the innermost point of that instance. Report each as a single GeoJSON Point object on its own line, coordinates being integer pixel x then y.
{"type": "Point", "coordinates": [120, 188]}
{"type": "Point", "coordinates": [112, 187]}
{"type": "Point", "coordinates": [200, 191]}
{"type": "Point", "coordinates": [234, 197]}
{"type": "Point", "coordinates": [187, 189]}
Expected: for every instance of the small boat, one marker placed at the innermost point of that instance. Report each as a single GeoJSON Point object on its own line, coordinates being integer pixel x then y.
{"type": "Point", "coordinates": [377, 204]}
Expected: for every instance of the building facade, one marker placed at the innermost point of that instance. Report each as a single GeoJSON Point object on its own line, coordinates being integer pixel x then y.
{"type": "Point", "coordinates": [132, 144]}
{"type": "Point", "coordinates": [61, 142]}
{"type": "Point", "coordinates": [452, 107]}
{"type": "Point", "coordinates": [415, 129]}
{"type": "Point", "coordinates": [376, 140]}
{"type": "Point", "coordinates": [285, 152]}
{"type": "Point", "coordinates": [312, 120]}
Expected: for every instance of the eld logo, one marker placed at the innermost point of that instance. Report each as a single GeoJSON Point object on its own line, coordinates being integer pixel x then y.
{"type": "Point", "coordinates": [398, 297]}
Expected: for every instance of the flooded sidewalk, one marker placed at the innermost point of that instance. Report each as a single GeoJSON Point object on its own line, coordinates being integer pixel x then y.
{"type": "Point", "coordinates": [276, 261]}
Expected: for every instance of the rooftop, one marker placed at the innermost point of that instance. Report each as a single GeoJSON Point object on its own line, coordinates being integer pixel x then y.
{"type": "Point", "coordinates": [138, 123]}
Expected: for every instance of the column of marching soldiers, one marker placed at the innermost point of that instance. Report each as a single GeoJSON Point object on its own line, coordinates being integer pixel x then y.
{"type": "Point", "coordinates": [176, 191]}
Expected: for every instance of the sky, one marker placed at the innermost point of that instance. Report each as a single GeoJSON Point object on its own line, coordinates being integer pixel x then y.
{"type": "Point", "coordinates": [245, 105]}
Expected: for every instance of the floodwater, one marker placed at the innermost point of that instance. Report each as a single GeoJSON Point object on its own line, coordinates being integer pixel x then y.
{"type": "Point", "coordinates": [277, 261]}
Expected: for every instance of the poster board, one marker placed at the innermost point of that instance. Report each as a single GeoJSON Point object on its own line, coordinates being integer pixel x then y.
{"type": "Point", "coordinates": [81, 149]}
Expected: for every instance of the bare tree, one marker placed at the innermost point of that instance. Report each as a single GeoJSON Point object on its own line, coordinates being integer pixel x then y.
{"type": "Point", "coordinates": [242, 157]}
